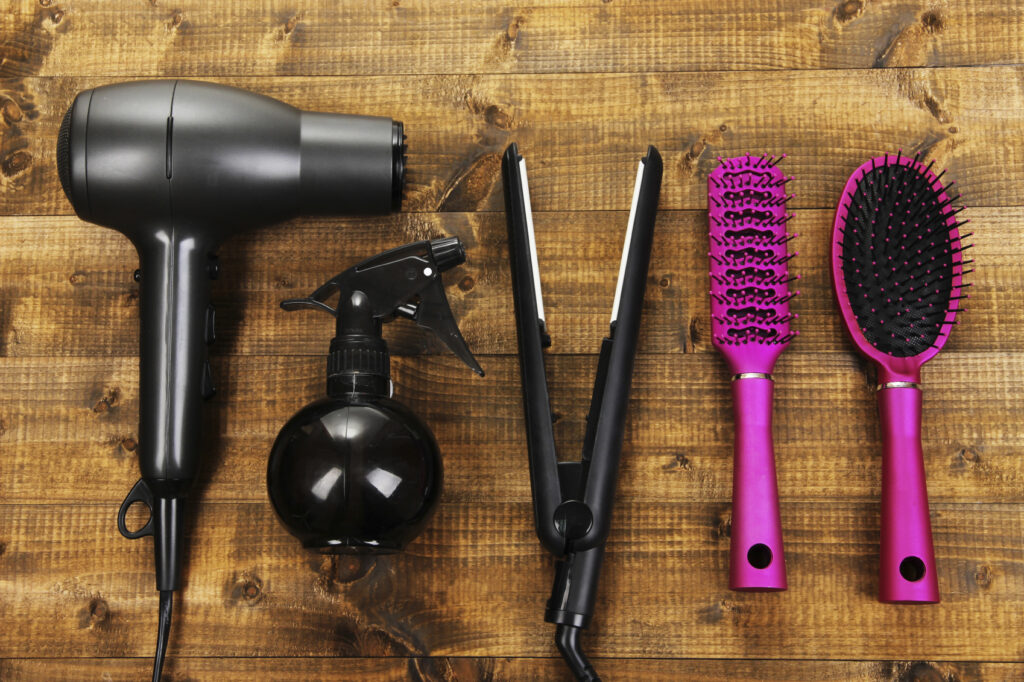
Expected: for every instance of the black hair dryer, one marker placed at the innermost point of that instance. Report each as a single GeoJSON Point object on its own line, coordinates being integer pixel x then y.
{"type": "Point", "coordinates": [178, 166]}
{"type": "Point", "coordinates": [358, 472]}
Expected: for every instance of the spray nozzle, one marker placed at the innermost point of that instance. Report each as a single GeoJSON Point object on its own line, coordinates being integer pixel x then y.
{"type": "Point", "coordinates": [401, 282]}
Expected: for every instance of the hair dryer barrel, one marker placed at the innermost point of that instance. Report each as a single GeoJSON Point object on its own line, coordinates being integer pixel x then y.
{"type": "Point", "coordinates": [347, 164]}
{"type": "Point", "coordinates": [211, 159]}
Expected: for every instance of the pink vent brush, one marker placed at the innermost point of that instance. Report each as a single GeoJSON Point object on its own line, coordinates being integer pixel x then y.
{"type": "Point", "coordinates": [750, 325]}
{"type": "Point", "coordinates": [896, 267]}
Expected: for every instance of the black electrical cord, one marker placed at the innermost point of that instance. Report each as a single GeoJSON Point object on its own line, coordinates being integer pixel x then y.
{"type": "Point", "coordinates": [166, 598]}
{"type": "Point", "coordinates": [567, 639]}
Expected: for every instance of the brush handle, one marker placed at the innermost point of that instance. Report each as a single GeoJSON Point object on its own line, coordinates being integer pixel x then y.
{"type": "Point", "coordinates": [907, 562]}
{"type": "Point", "coordinates": [756, 560]}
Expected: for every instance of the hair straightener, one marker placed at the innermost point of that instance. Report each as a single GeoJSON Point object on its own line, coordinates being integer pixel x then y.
{"type": "Point", "coordinates": [572, 501]}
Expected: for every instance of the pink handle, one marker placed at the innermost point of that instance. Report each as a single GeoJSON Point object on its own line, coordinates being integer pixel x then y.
{"type": "Point", "coordinates": [756, 561]}
{"type": "Point", "coordinates": [907, 562]}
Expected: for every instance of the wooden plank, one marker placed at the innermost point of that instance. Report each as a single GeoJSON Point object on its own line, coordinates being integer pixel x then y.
{"type": "Point", "coordinates": [582, 87]}
{"type": "Point", "coordinates": [69, 427]}
{"type": "Point", "coordinates": [582, 137]}
{"type": "Point", "coordinates": [68, 286]}
{"type": "Point", "coordinates": [450, 669]}
{"type": "Point", "coordinates": [401, 37]}
{"type": "Point", "coordinates": [475, 583]}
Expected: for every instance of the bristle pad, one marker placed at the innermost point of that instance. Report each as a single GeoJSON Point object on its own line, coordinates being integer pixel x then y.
{"type": "Point", "coordinates": [749, 272]}
{"type": "Point", "coordinates": [900, 253]}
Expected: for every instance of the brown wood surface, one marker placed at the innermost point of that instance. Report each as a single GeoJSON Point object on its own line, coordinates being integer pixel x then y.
{"type": "Point", "coordinates": [473, 585]}
{"type": "Point", "coordinates": [279, 38]}
{"type": "Point", "coordinates": [451, 668]}
{"type": "Point", "coordinates": [679, 436]}
{"type": "Point", "coordinates": [582, 86]}
{"type": "Point", "coordinates": [587, 130]}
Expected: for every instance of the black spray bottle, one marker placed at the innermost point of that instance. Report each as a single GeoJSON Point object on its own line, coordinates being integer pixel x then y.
{"type": "Point", "coordinates": [358, 472]}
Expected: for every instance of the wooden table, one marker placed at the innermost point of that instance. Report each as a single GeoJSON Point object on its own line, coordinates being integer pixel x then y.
{"type": "Point", "coordinates": [583, 87]}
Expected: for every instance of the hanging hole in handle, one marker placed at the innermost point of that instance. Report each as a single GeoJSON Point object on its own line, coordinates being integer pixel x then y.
{"type": "Point", "coordinates": [137, 515]}
{"type": "Point", "coordinates": [140, 493]}
{"type": "Point", "coordinates": [912, 569]}
{"type": "Point", "coordinates": [759, 556]}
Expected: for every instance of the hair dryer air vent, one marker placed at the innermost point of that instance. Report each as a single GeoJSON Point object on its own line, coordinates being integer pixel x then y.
{"type": "Point", "coordinates": [64, 153]}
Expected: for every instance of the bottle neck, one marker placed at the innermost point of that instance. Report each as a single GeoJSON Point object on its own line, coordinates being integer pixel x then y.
{"type": "Point", "coordinates": [359, 365]}
{"type": "Point", "coordinates": [359, 362]}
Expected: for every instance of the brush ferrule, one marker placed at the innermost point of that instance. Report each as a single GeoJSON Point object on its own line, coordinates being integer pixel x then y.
{"type": "Point", "coordinates": [753, 375]}
{"type": "Point", "coordinates": [897, 384]}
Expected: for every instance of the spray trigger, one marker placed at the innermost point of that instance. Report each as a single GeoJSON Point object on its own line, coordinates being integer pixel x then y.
{"type": "Point", "coordinates": [401, 282]}
{"type": "Point", "coordinates": [435, 313]}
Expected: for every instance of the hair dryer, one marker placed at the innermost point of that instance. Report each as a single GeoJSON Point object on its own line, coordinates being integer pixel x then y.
{"type": "Point", "coordinates": [178, 166]}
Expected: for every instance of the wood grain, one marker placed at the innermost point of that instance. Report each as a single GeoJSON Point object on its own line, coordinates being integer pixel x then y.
{"type": "Point", "coordinates": [73, 293]}
{"type": "Point", "coordinates": [69, 426]}
{"type": "Point", "coordinates": [582, 143]}
{"type": "Point", "coordinates": [455, 669]}
{"type": "Point", "coordinates": [475, 582]}
{"type": "Point", "coordinates": [583, 87]}
{"type": "Point", "coordinates": [403, 37]}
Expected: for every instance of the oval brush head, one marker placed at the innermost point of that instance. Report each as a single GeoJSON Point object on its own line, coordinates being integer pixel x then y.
{"type": "Point", "coordinates": [897, 262]}
{"type": "Point", "coordinates": [749, 277]}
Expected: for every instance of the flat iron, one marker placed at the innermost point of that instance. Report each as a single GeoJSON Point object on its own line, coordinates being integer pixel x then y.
{"type": "Point", "coordinates": [572, 501]}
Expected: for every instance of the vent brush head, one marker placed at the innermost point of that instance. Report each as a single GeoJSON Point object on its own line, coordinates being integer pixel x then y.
{"type": "Point", "coordinates": [897, 263]}
{"type": "Point", "coordinates": [750, 325]}
{"type": "Point", "coordinates": [750, 318]}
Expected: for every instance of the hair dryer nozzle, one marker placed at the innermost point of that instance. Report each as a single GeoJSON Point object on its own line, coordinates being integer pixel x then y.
{"type": "Point", "coordinates": [398, 159]}
{"type": "Point", "coordinates": [350, 164]}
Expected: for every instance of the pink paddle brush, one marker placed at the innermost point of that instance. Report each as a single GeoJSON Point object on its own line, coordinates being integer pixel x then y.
{"type": "Point", "coordinates": [750, 325]}
{"type": "Point", "coordinates": [896, 267]}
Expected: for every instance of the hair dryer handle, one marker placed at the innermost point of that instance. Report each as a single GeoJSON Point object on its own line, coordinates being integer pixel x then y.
{"type": "Point", "coordinates": [174, 369]}
{"type": "Point", "coordinates": [175, 329]}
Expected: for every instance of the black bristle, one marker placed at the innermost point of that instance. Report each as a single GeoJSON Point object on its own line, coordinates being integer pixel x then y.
{"type": "Point", "coordinates": [901, 255]}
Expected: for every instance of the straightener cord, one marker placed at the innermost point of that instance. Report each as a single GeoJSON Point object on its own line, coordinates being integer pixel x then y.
{"type": "Point", "coordinates": [567, 639]}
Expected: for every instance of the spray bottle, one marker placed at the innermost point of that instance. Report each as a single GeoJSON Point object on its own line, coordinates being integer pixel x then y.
{"type": "Point", "coordinates": [357, 471]}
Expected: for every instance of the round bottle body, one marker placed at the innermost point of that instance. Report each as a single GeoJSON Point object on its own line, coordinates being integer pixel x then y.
{"type": "Point", "coordinates": [353, 476]}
